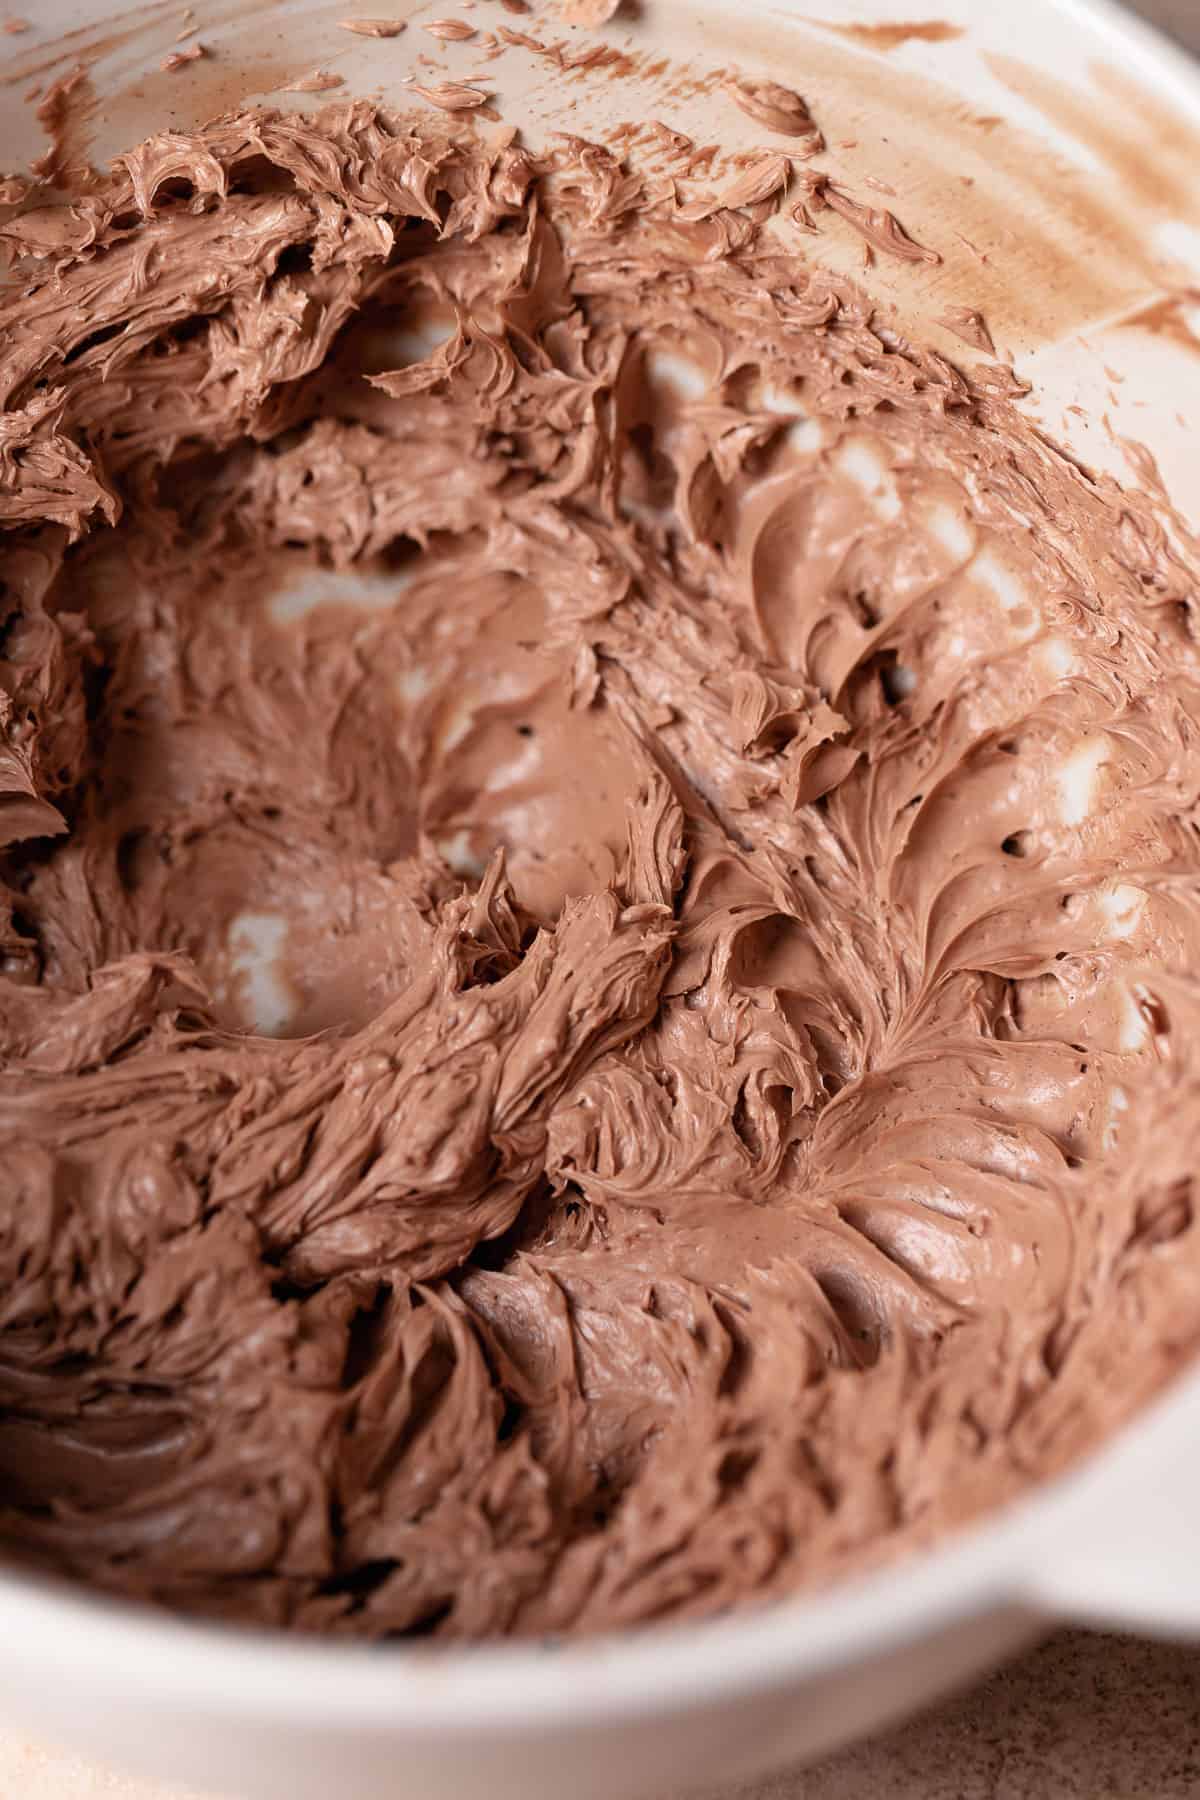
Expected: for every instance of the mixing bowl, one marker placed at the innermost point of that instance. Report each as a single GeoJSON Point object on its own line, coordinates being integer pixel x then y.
{"type": "Point", "coordinates": [1048, 148]}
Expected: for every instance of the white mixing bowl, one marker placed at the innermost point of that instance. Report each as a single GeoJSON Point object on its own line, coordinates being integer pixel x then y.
{"type": "Point", "coordinates": [1082, 202]}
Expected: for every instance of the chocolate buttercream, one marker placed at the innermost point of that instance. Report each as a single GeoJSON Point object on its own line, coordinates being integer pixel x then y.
{"type": "Point", "coordinates": [600, 863]}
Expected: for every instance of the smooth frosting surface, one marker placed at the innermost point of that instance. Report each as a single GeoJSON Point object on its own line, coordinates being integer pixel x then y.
{"type": "Point", "coordinates": [597, 858]}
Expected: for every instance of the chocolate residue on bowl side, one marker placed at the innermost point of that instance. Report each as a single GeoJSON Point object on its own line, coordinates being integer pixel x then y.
{"type": "Point", "coordinates": [888, 36]}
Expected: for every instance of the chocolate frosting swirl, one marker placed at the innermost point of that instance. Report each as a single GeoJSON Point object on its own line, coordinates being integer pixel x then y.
{"type": "Point", "coordinates": [600, 860]}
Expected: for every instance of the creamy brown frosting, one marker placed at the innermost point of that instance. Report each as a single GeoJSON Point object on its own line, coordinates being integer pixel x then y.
{"type": "Point", "coordinates": [595, 850]}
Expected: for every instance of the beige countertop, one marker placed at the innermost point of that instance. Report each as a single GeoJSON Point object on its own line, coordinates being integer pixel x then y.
{"type": "Point", "coordinates": [1084, 1717]}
